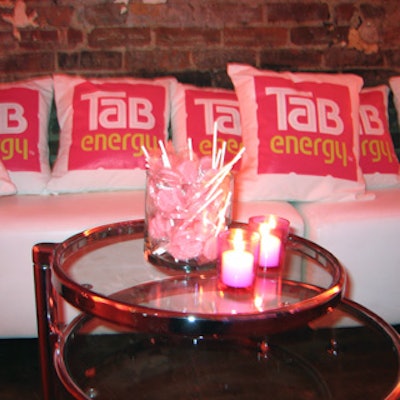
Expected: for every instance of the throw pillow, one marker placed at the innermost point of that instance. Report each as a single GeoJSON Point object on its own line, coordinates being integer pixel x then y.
{"type": "Point", "coordinates": [106, 126]}
{"type": "Point", "coordinates": [300, 131]}
{"type": "Point", "coordinates": [200, 113]}
{"type": "Point", "coordinates": [378, 159]}
{"type": "Point", "coordinates": [24, 119]}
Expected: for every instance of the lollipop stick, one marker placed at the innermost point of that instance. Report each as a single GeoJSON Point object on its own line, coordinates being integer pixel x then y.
{"type": "Point", "coordinates": [214, 146]}
{"type": "Point", "coordinates": [164, 155]}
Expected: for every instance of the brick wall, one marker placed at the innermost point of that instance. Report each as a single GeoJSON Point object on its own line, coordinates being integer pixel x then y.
{"type": "Point", "coordinates": [194, 39]}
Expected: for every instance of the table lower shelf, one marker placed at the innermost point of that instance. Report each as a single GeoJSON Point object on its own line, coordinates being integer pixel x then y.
{"type": "Point", "coordinates": [319, 361]}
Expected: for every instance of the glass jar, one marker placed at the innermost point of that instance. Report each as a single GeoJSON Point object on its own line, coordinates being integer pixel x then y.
{"type": "Point", "coordinates": [185, 212]}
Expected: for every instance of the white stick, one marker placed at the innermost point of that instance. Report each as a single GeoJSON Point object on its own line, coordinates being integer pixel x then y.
{"type": "Point", "coordinates": [218, 158]}
{"type": "Point", "coordinates": [225, 170]}
{"type": "Point", "coordinates": [190, 148]}
{"type": "Point", "coordinates": [164, 155]}
{"type": "Point", "coordinates": [214, 146]}
{"type": "Point", "coordinates": [202, 208]}
{"type": "Point", "coordinates": [146, 153]}
{"type": "Point", "coordinates": [223, 150]}
{"type": "Point", "coordinates": [222, 212]}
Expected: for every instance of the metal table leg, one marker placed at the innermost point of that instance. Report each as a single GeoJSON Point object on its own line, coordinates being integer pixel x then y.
{"type": "Point", "coordinates": [46, 313]}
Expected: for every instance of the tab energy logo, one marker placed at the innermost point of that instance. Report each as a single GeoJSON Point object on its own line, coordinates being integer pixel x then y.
{"type": "Point", "coordinates": [19, 129]}
{"type": "Point", "coordinates": [112, 122]}
{"type": "Point", "coordinates": [305, 125]}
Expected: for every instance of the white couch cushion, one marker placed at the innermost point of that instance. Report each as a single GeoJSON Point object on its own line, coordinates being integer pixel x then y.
{"type": "Point", "coordinates": [28, 220]}
{"type": "Point", "coordinates": [364, 236]}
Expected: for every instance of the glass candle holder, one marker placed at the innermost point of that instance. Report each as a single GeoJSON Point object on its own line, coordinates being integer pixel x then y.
{"type": "Point", "coordinates": [187, 206]}
{"type": "Point", "coordinates": [274, 232]}
{"type": "Point", "coordinates": [238, 251]}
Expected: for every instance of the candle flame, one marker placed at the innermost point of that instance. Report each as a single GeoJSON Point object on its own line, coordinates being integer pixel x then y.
{"type": "Point", "coordinates": [266, 227]}
{"type": "Point", "coordinates": [238, 240]}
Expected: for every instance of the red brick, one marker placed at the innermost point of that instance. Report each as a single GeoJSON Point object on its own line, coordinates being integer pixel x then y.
{"type": "Point", "coordinates": [393, 57]}
{"type": "Point", "coordinates": [58, 16]}
{"type": "Point", "coordinates": [291, 59]}
{"type": "Point", "coordinates": [339, 58]}
{"type": "Point", "coordinates": [90, 60]}
{"type": "Point", "coordinates": [200, 13]}
{"type": "Point", "coordinates": [187, 37]}
{"type": "Point", "coordinates": [372, 11]}
{"type": "Point", "coordinates": [375, 76]}
{"type": "Point", "coordinates": [209, 59]}
{"type": "Point", "coordinates": [391, 38]}
{"type": "Point", "coordinates": [219, 14]}
{"type": "Point", "coordinates": [37, 62]}
{"type": "Point", "coordinates": [7, 42]}
{"type": "Point", "coordinates": [101, 60]}
{"type": "Point", "coordinates": [298, 12]}
{"type": "Point", "coordinates": [39, 39]}
{"type": "Point", "coordinates": [117, 37]}
{"type": "Point", "coordinates": [153, 15]}
{"type": "Point", "coordinates": [310, 35]}
{"type": "Point", "coordinates": [74, 36]}
{"type": "Point", "coordinates": [344, 13]}
{"type": "Point", "coordinates": [105, 14]}
{"type": "Point", "coordinates": [7, 13]}
{"type": "Point", "coordinates": [258, 36]}
{"type": "Point", "coordinates": [68, 61]}
{"type": "Point", "coordinates": [157, 60]}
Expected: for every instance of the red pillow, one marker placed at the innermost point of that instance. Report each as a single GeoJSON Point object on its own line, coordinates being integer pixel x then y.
{"type": "Point", "coordinates": [194, 113]}
{"type": "Point", "coordinates": [24, 120]}
{"type": "Point", "coordinates": [104, 123]}
{"type": "Point", "coordinates": [378, 159]}
{"type": "Point", "coordinates": [300, 131]}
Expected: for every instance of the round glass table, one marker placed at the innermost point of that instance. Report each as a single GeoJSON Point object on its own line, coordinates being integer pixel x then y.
{"type": "Point", "coordinates": [149, 332]}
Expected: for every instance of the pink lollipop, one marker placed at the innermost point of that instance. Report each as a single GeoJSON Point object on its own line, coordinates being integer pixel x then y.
{"type": "Point", "coordinates": [159, 227]}
{"type": "Point", "coordinates": [189, 171]}
{"type": "Point", "coordinates": [169, 200]}
{"type": "Point", "coordinates": [184, 245]}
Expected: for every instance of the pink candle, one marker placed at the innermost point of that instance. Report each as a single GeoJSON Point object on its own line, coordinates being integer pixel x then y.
{"type": "Point", "coordinates": [237, 268]}
{"type": "Point", "coordinates": [273, 231]}
{"type": "Point", "coordinates": [270, 250]}
{"type": "Point", "coordinates": [238, 251]}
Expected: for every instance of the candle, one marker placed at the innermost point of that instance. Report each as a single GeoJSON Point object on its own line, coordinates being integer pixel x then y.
{"type": "Point", "coordinates": [237, 268]}
{"type": "Point", "coordinates": [274, 231]}
{"type": "Point", "coordinates": [270, 247]}
{"type": "Point", "coordinates": [238, 255]}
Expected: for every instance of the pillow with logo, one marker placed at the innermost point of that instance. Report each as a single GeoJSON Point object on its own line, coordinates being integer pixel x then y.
{"type": "Point", "coordinates": [6, 186]}
{"type": "Point", "coordinates": [104, 125]}
{"type": "Point", "coordinates": [25, 112]}
{"type": "Point", "coordinates": [378, 159]}
{"type": "Point", "coordinates": [197, 111]}
{"type": "Point", "coordinates": [300, 131]}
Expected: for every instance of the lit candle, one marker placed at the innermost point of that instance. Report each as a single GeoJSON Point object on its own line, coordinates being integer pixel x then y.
{"type": "Point", "coordinates": [270, 248]}
{"type": "Point", "coordinates": [273, 231]}
{"type": "Point", "coordinates": [237, 264]}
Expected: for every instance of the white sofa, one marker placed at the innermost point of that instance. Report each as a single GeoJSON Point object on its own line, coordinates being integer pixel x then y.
{"type": "Point", "coordinates": [364, 235]}
{"type": "Point", "coordinates": [26, 220]}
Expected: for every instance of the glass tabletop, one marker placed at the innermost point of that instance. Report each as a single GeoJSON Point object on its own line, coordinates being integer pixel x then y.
{"type": "Point", "coordinates": [103, 272]}
{"type": "Point", "coordinates": [348, 354]}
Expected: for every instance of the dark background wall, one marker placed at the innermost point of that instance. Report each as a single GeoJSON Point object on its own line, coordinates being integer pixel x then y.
{"type": "Point", "coordinates": [194, 39]}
